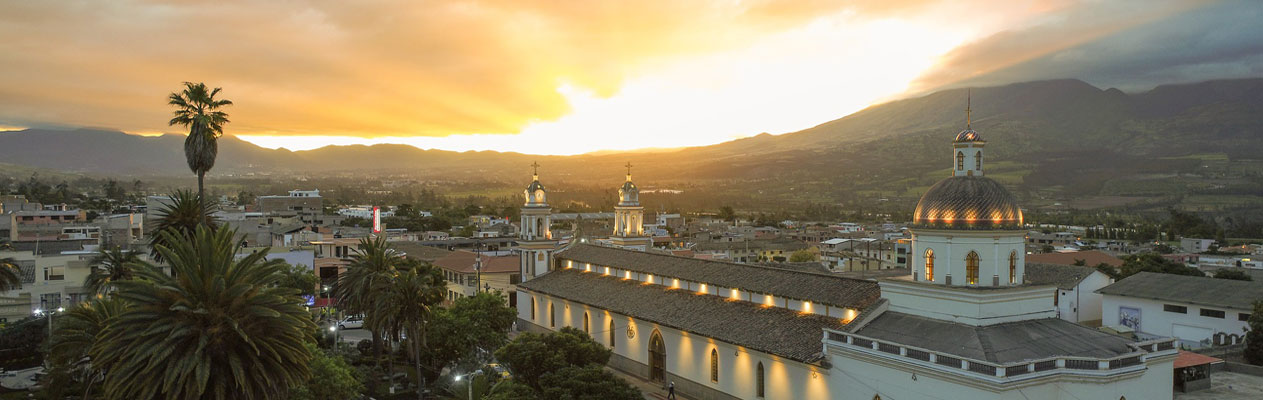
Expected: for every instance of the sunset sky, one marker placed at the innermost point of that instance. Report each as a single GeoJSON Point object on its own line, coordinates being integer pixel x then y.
{"type": "Point", "coordinates": [568, 77]}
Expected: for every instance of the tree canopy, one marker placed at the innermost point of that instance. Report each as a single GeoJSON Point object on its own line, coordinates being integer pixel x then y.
{"type": "Point", "coordinates": [1254, 338]}
{"type": "Point", "coordinates": [1147, 262]}
{"type": "Point", "coordinates": [566, 364]}
{"type": "Point", "coordinates": [1233, 273]}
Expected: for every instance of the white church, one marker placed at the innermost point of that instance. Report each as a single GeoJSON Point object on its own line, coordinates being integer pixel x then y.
{"type": "Point", "coordinates": [964, 325]}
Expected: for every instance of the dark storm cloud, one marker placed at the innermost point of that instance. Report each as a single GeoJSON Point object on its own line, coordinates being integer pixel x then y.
{"type": "Point", "coordinates": [1215, 41]}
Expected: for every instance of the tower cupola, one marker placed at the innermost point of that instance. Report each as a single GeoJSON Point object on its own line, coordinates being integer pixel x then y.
{"type": "Point", "coordinates": [536, 195]}
{"type": "Point", "coordinates": [967, 148]}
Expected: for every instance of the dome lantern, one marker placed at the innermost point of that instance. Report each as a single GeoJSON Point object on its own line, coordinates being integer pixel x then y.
{"type": "Point", "coordinates": [535, 194]}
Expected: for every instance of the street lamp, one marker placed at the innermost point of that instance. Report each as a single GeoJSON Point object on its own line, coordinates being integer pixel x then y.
{"type": "Point", "coordinates": [470, 385]}
{"type": "Point", "coordinates": [336, 340]}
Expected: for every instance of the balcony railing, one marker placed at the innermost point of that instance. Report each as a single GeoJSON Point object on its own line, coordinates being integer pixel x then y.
{"type": "Point", "coordinates": [1133, 361]}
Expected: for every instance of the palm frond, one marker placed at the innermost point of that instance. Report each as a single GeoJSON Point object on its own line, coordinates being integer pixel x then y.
{"type": "Point", "coordinates": [218, 329]}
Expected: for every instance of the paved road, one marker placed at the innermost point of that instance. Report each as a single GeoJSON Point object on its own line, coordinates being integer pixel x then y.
{"type": "Point", "coordinates": [355, 335]}
{"type": "Point", "coordinates": [1228, 386]}
{"type": "Point", "coordinates": [19, 379]}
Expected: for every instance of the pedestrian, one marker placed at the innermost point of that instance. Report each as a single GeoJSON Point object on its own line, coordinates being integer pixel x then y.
{"type": "Point", "coordinates": [671, 391]}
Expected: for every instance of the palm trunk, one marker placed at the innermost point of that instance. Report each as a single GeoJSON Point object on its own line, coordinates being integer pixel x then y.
{"type": "Point", "coordinates": [416, 345]}
{"type": "Point", "coordinates": [88, 385]}
{"type": "Point", "coordinates": [377, 347]}
{"type": "Point", "coordinates": [390, 363]}
{"type": "Point", "coordinates": [201, 190]}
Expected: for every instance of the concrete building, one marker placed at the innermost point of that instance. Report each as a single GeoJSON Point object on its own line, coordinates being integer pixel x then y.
{"type": "Point", "coordinates": [1076, 298]}
{"type": "Point", "coordinates": [1199, 311]}
{"type": "Point", "coordinates": [48, 282]}
{"type": "Point", "coordinates": [1194, 245]}
{"type": "Point", "coordinates": [468, 273]}
{"type": "Point", "coordinates": [305, 203]}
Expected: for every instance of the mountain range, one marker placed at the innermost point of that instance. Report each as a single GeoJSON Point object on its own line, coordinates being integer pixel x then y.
{"type": "Point", "coordinates": [1063, 135]}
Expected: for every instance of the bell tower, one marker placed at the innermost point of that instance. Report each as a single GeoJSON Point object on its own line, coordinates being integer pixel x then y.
{"type": "Point", "coordinates": [535, 238]}
{"type": "Point", "coordinates": [629, 218]}
{"type": "Point", "coordinates": [967, 148]}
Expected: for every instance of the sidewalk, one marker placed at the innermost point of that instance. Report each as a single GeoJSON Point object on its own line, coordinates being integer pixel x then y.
{"type": "Point", "coordinates": [651, 390]}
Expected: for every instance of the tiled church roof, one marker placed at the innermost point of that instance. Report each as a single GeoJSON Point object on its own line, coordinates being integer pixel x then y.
{"type": "Point", "coordinates": [967, 202]}
{"type": "Point", "coordinates": [771, 330]}
{"type": "Point", "coordinates": [799, 285]}
{"type": "Point", "coordinates": [1001, 343]}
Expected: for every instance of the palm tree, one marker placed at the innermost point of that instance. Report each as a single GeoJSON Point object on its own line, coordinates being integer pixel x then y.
{"type": "Point", "coordinates": [111, 266]}
{"type": "Point", "coordinates": [198, 110]}
{"type": "Point", "coordinates": [10, 275]}
{"type": "Point", "coordinates": [220, 328]}
{"type": "Point", "coordinates": [180, 215]}
{"type": "Point", "coordinates": [406, 305]}
{"type": "Point", "coordinates": [357, 290]}
{"type": "Point", "coordinates": [77, 331]}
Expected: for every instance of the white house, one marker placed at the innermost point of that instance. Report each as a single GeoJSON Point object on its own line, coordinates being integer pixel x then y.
{"type": "Point", "coordinates": [1076, 299]}
{"type": "Point", "coordinates": [1199, 311]}
{"type": "Point", "coordinates": [1194, 245]}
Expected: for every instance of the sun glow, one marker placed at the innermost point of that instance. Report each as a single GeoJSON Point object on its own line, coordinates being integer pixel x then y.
{"type": "Point", "coordinates": [782, 83]}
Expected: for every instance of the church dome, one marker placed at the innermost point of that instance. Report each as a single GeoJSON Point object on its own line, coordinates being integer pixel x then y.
{"type": "Point", "coordinates": [535, 185]}
{"type": "Point", "coordinates": [967, 202]}
{"type": "Point", "coordinates": [628, 195]}
{"type": "Point", "coordinates": [968, 135]}
{"type": "Point", "coordinates": [536, 195]}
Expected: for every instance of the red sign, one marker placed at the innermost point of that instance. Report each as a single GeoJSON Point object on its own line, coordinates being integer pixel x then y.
{"type": "Point", "coordinates": [377, 220]}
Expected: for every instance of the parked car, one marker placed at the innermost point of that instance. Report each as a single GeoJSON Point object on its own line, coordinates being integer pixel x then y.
{"type": "Point", "coordinates": [352, 322]}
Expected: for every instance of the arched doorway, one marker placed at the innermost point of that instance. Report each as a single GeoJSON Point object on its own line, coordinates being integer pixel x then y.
{"type": "Point", "coordinates": [657, 357]}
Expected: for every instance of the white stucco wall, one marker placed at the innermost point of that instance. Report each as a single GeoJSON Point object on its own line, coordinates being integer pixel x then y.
{"type": "Point", "coordinates": [860, 379]}
{"type": "Point", "coordinates": [969, 306]}
{"type": "Point", "coordinates": [1082, 303]}
{"type": "Point", "coordinates": [1190, 327]}
{"type": "Point", "coordinates": [951, 246]}
{"type": "Point", "coordinates": [687, 355]}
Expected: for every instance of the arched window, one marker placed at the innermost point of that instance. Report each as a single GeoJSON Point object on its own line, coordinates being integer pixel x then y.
{"type": "Point", "coordinates": [657, 357]}
{"type": "Point", "coordinates": [611, 333]}
{"type": "Point", "coordinates": [1013, 267]}
{"type": "Point", "coordinates": [552, 316]}
{"type": "Point", "coordinates": [714, 365]}
{"type": "Point", "coordinates": [978, 161]}
{"type": "Point", "coordinates": [971, 268]}
{"type": "Point", "coordinates": [929, 265]}
{"type": "Point", "coordinates": [960, 161]}
{"type": "Point", "coordinates": [585, 324]}
{"type": "Point", "coordinates": [759, 381]}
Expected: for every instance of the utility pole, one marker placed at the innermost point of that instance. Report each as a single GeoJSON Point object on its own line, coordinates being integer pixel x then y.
{"type": "Point", "coordinates": [477, 264]}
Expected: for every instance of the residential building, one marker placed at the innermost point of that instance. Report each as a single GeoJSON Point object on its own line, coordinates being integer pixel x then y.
{"type": "Point", "coordinates": [307, 204]}
{"type": "Point", "coordinates": [750, 251]}
{"type": "Point", "coordinates": [1194, 245]}
{"type": "Point", "coordinates": [1199, 311]}
{"type": "Point", "coordinates": [1076, 298]}
{"type": "Point", "coordinates": [467, 273]}
{"type": "Point", "coordinates": [48, 282]}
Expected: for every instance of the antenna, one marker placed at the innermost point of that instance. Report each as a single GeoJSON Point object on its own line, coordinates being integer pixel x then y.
{"type": "Point", "coordinates": [969, 100]}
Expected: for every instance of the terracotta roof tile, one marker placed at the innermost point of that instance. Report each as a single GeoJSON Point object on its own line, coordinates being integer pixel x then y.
{"type": "Point", "coordinates": [799, 285]}
{"type": "Point", "coordinates": [772, 330]}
